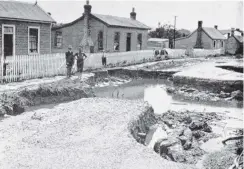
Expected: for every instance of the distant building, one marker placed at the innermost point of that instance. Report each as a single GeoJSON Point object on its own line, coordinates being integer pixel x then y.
{"type": "Point", "coordinates": [98, 32]}
{"type": "Point", "coordinates": [25, 29]}
{"type": "Point", "coordinates": [202, 37]}
{"type": "Point", "coordinates": [157, 43]}
{"type": "Point", "coordinates": [234, 43]}
{"type": "Point", "coordinates": [228, 32]}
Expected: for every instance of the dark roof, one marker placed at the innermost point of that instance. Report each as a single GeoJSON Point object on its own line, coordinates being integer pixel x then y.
{"type": "Point", "coordinates": [121, 21]}
{"type": "Point", "coordinates": [239, 38]}
{"type": "Point", "coordinates": [112, 21]}
{"type": "Point", "coordinates": [14, 10]}
{"type": "Point", "coordinates": [213, 33]}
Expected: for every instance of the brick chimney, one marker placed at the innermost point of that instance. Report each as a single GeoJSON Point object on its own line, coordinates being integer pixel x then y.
{"type": "Point", "coordinates": [87, 42]}
{"type": "Point", "coordinates": [199, 36]}
{"type": "Point", "coordinates": [216, 26]}
{"type": "Point", "coordinates": [133, 14]}
{"type": "Point", "coordinates": [232, 31]}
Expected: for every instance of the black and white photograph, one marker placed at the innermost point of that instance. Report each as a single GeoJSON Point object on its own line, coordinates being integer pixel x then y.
{"type": "Point", "coordinates": [121, 84]}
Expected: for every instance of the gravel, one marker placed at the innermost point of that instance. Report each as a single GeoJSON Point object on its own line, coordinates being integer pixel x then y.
{"type": "Point", "coordinates": [87, 133]}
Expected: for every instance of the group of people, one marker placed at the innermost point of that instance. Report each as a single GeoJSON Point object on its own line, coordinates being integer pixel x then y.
{"type": "Point", "coordinates": [70, 59]}
{"type": "Point", "coordinates": [80, 57]}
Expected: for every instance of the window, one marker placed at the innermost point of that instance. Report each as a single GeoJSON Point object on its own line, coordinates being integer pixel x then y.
{"type": "Point", "coordinates": [116, 41]}
{"type": "Point", "coordinates": [100, 40]}
{"type": "Point", "coordinates": [8, 30]}
{"type": "Point", "coordinates": [139, 41]}
{"type": "Point", "coordinates": [222, 44]}
{"type": "Point", "coordinates": [58, 39]}
{"type": "Point", "coordinates": [33, 40]}
{"type": "Point", "coordinates": [214, 44]}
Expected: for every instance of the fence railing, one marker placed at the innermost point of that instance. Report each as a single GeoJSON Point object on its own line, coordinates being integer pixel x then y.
{"type": "Point", "coordinates": [22, 67]}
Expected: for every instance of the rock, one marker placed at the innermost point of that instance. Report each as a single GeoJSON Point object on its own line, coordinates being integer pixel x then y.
{"type": "Point", "coordinates": [170, 90]}
{"type": "Point", "coordinates": [17, 109]}
{"type": "Point", "coordinates": [190, 90]}
{"type": "Point", "coordinates": [198, 134]}
{"type": "Point", "coordinates": [155, 133]}
{"type": "Point", "coordinates": [169, 123]}
{"type": "Point", "coordinates": [175, 153]}
{"type": "Point", "coordinates": [207, 128]}
{"type": "Point", "coordinates": [224, 95]}
{"type": "Point", "coordinates": [187, 119]}
{"type": "Point", "coordinates": [187, 145]}
{"type": "Point", "coordinates": [183, 139]}
{"type": "Point", "coordinates": [188, 133]}
{"type": "Point", "coordinates": [196, 125]}
{"type": "Point", "coordinates": [237, 95]}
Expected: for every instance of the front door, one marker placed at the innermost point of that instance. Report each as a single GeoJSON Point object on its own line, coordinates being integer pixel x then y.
{"type": "Point", "coordinates": [128, 42]}
{"type": "Point", "coordinates": [8, 45]}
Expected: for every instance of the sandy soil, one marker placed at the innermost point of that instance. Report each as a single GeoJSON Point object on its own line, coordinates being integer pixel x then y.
{"type": "Point", "coordinates": [87, 133]}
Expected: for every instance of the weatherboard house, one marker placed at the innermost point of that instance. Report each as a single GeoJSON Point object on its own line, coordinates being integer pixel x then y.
{"type": "Point", "coordinates": [202, 38]}
{"type": "Point", "coordinates": [96, 33]}
{"type": "Point", "coordinates": [25, 29]}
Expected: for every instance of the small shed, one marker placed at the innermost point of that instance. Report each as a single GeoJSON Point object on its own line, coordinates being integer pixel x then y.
{"type": "Point", "coordinates": [157, 43]}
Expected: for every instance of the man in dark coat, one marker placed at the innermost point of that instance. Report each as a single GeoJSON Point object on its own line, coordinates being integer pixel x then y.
{"type": "Point", "coordinates": [69, 61]}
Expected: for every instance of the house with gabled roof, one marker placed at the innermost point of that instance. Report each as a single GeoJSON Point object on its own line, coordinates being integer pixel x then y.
{"type": "Point", "coordinates": [203, 38]}
{"type": "Point", "coordinates": [98, 32]}
{"type": "Point", "coordinates": [25, 29]}
{"type": "Point", "coordinates": [234, 43]}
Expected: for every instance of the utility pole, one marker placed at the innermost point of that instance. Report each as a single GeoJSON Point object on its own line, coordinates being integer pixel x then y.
{"type": "Point", "coordinates": [174, 31]}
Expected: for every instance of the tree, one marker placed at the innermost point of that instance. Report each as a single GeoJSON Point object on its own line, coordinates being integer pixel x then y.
{"type": "Point", "coordinates": [166, 31]}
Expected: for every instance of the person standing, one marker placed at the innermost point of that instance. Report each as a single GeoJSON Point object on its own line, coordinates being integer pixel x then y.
{"type": "Point", "coordinates": [69, 60]}
{"type": "Point", "coordinates": [81, 56]}
{"type": "Point", "coordinates": [104, 59]}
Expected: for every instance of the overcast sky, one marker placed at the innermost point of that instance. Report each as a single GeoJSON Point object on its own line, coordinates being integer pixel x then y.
{"type": "Point", "coordinates": [225, 14]}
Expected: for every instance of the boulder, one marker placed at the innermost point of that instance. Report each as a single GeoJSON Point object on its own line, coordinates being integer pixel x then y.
{"type": "Point", "coordinates": [198, 134]}
{"type": "Point", "coordinates": [187, 145]}
{"type": "Point", "coordinates": [176, 153]}
{"type": "Point", "coordinates": [207, 128]}
{"type": "Point", "coordinates": [188, 133]}
{"type": "Point", "coordinates": [196, 125]}
{"type": "Point", "coordinates": [156, 132]}
{"type": "Point", "coordinates": [237, 95]}
{"type": "Point", "coordinates": [199, 125]}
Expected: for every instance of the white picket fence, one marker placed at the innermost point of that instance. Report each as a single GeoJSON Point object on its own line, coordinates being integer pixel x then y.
{"type": "Point", "coordinates": [37, 66]}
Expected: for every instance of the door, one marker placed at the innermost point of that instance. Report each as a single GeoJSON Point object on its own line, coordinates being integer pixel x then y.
{"type": "Point", "coordinates": [8, 45]}
{"type": "Point", "coordinates": [128, 42]}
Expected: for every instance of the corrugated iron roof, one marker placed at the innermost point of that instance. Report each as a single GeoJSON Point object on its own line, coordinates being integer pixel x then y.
{"type": "Point", "coordinates": [121, 21]}
{"type": "Point", "coordinates": [15, 10]}
{"type": "Point", "coordinates": [214, 33]}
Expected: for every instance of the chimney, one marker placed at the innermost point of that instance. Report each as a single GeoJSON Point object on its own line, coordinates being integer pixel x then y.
{"type": "Point", "coordinates": [232, 31]}
{"type": "Point", "coordinates": [133, 14]}
{"type": "Point", "coordinates": [87, 8]}
{"type": "Point", "coordinates": [216, 26]}
{"type": "Point", "coordinates": [228, 35]}
{"type": "Point", "coordinates": [199, 44]}
{"type": "Point", "coordinates": [199, 24]}
{"type": "Point", "coordinates": [87, 42]}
